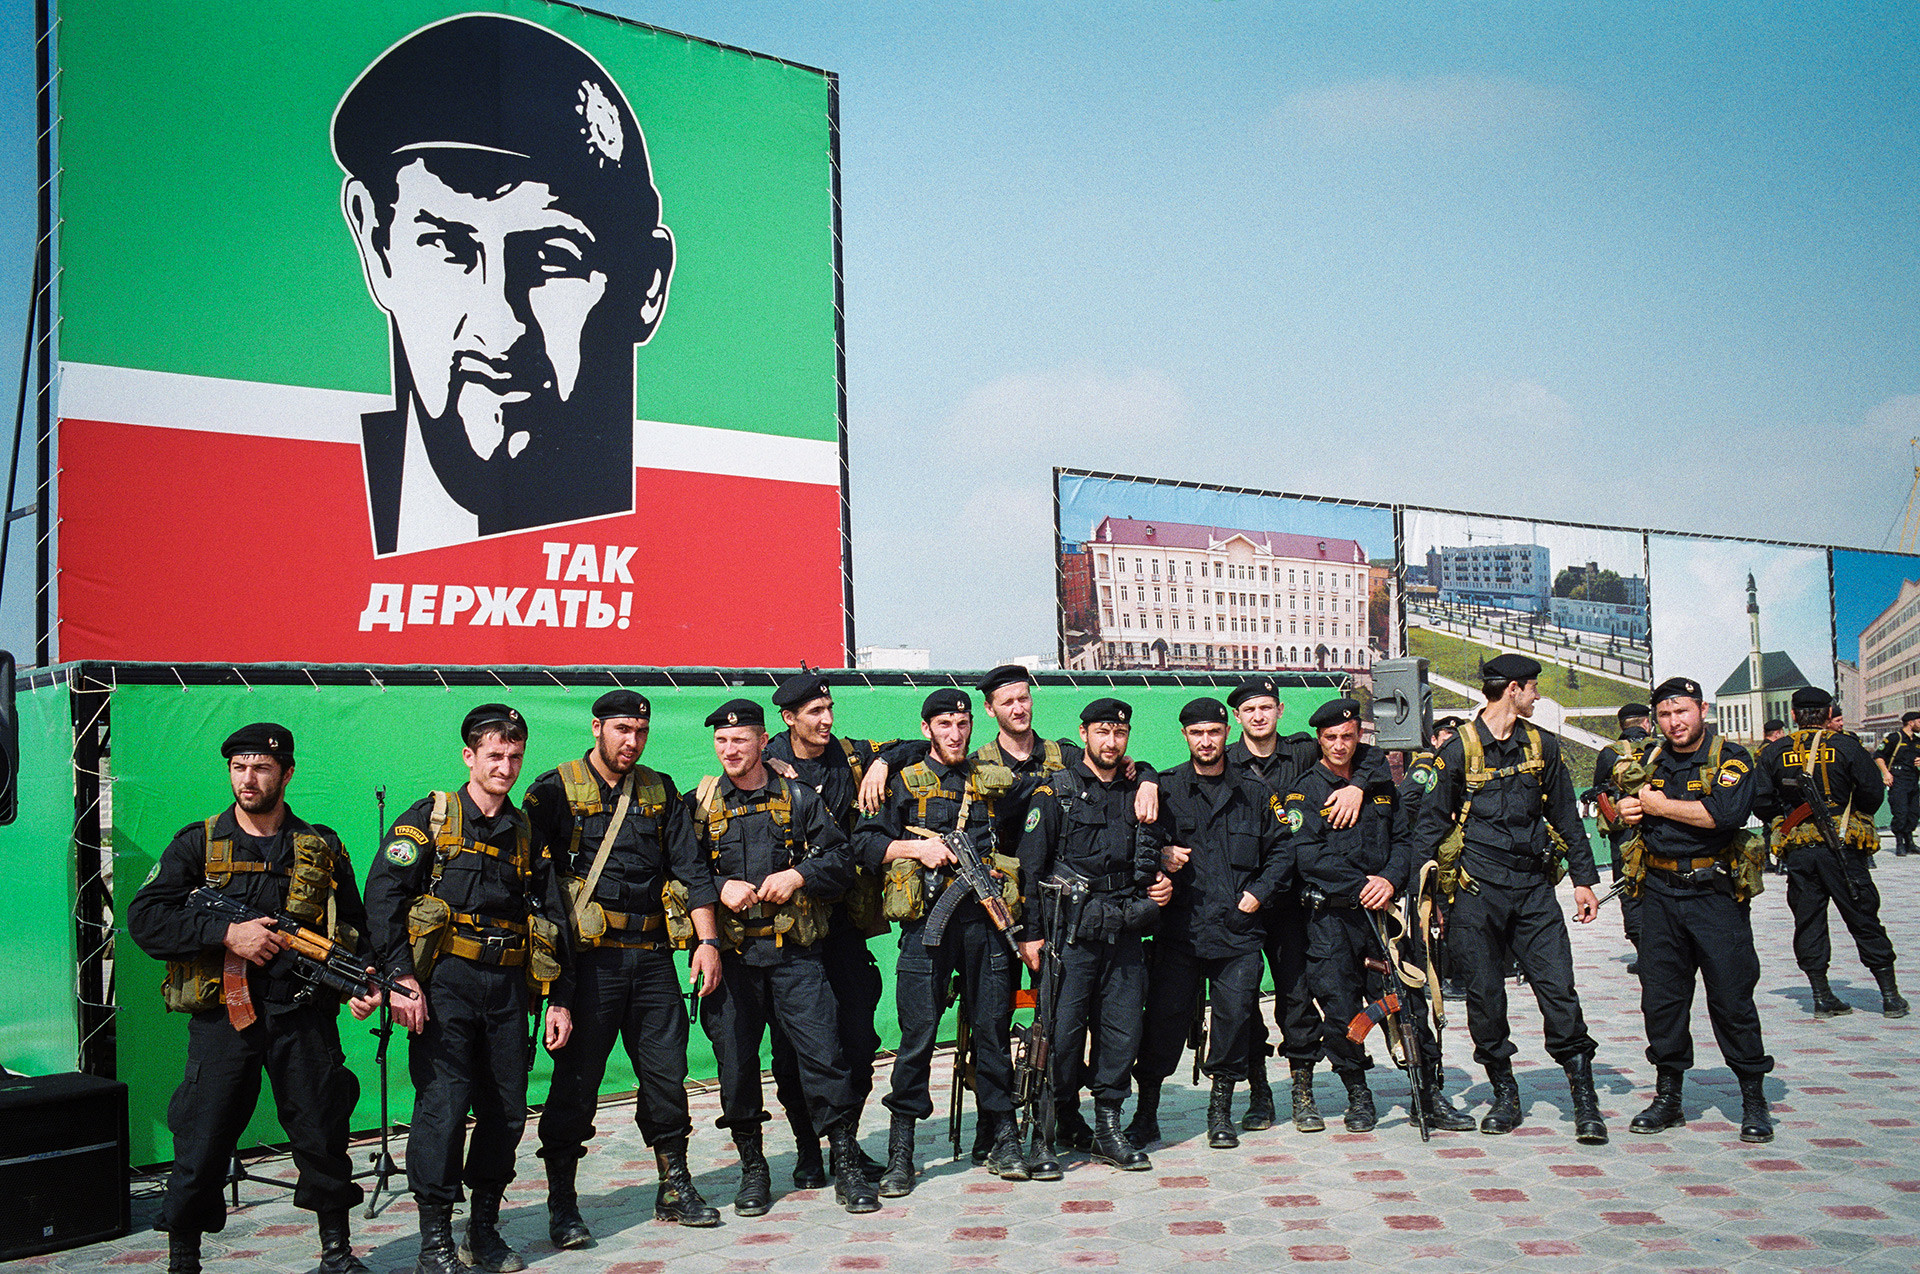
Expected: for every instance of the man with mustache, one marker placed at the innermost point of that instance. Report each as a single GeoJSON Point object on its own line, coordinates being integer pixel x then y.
{"type": "Point", "coordinates": [499, 194]}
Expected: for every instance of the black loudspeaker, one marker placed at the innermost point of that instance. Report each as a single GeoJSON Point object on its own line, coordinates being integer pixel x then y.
{"type": "Point", "coordinates": [63, 1163]}
{"type": "Point", "coordinates": [1402, 704]}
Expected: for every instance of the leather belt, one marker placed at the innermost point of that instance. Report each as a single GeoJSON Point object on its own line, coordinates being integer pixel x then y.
{"type": "Point", "coordinates": [1680, 864]}
{"type": "Point", "coordinates": [506, 949]}
{"type": "Point", "coordinates": [641, 924]}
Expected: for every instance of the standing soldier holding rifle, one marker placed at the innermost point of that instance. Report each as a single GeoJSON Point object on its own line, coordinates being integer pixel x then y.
{"type": "Point", "coordinates": [1698, 873]}
{"type": "Point", "coordinates": [463, 904]}
{"type": "Point", "coordinates": [1081, 828]}
{"type": "Point", "coordinates": [933, 836]}
{"type": "Point", "coordinates": [255, 1003]}
{"type": "Point", "coordinates": [1219, 835]}
{"type": "Point", "coordinates": [1825, 788]}
{"type": "Point", "coordinates": [1348, 877]}
{"type": "Point", "coordinates": [1636, 721]}
{"type": "Point", "coordinates": [620, 832]}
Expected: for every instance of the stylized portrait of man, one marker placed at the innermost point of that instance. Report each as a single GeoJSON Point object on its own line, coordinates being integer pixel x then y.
{"type": "Point", "coordinates": [499, 193]}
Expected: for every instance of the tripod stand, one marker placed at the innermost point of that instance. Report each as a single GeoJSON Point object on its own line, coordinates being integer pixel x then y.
{"type": "Point", "coordinates": [383, 1168]}
{"type": "Point", "coordinates": [238, 1173]}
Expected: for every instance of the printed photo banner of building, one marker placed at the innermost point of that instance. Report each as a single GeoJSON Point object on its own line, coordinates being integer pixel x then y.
{"type": "Point", "coordinates": [1876, 625]}
{"type": "Point", "coordinates": [1175, 595]}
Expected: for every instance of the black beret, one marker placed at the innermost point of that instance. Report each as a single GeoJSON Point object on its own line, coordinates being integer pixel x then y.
{"type": "Point", "coordinates": [512, 93]}
{"type": "Point", "coordinates": [1334, 712]}
{"type": "Point", "coordinates": [945, 700]}
{"type": "Point", "coordinates": [737, 712]}
{"type": "Point", "coordinates": [1510, 667]}
{"type": "Point", "coordinates": [1773, 723]}
{"type": "Point", "coordinates": [1202, 711]}
{"type": "Point", "coordinates": [1109, 710]}
{"type": "Point", "coordinates": [1680, 688]}
{"type": "Point", "coordinates": [801, 688]}
{"type": "Point", "coordinates": [1004, 675]}
{"type": "Point", "coordinates": [1631, 711]}
{"type": "Point", "coordinates": [1253, 688]}
{"type": "Point", "coordinates": [1449, 723]}
{"type": "Point", "coordinates": [621, 703]}
{"type": "Point", "coordinates": [1909, 716]}
{"type": "Point", "coordinates": [1811, 697]}
{"type": "Point", "coordinates": [262, 738]}
{"type": "Point", "coordinates": [494, 714]}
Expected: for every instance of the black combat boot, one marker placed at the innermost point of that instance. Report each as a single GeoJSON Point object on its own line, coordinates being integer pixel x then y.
{"type": "Point", "coordinates": [1825, 1003]}
{"type": "Point", "coordinates": [982, 1139]}
{"type": "Point", "coordinates": [1306, 1115]}
{"type": "Point", "coordinates": [1443, 1115]}
{"type": "Point", "coordinates": [1043, 1163]}
{"type": "Point", "coordinates": [1005, 1160]}
{"type": "Point", "coordinates": [678, 1199]}
{"type": "Point", "coordinates": [1110, 1144]}
{"type": "Point", "coordinates": [1145, 1128]}
{"type": "Point", "coordinates": [1220, 1133]}
{"type": "Point", "coordinates": [1505, 1114]}
{"type": "Point", "coordinates": [897, 1181]}
{"type": "Point", "coordinates": [1070, 1127]}
{"type": "Point", "coordinates": [850, 1185]}
{"type": "Point", "coordinates": [1588, 1128]}
{"type": "Point", "coordinates": [755, 1195]}
{"type": "Point", "coordinates": [565, 1226]}
{"type": "Point", "coordinates": [1665, 1111]}
{"type": "Point", "coordinates": [1259, 1116]}
{"type": "Point", "coordinates": [809, 1169]}
{"type": "Point", "coordinates": [1756, 1121]}
{"type": "Point", "coordinates": [436, 1241]}
{"type": "Point", "coordinates": [1361, 1116]}
{"type": "Point", "coordinates": [483, 1248]}
{"type": "Point", "coordinates": [336, 1244]}
{"type": "Point", "coordinates": [1892, 1003]}
{"type": "Point", "coordinates": [183, 1252]}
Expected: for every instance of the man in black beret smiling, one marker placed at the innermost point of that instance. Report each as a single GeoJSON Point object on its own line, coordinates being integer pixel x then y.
{"type": "Point", "coordinates": [499, 193]}
{"type": "Point", "coordinates": [251, 1012]}
{"type": "Point", "coordinates": [618, 833]}
{"type": "Point", "coordinates": [1081, 828]}
{"type": "Point", "coordinates": [1502, 825]}
{"type": "Point", "coordinates": [464, 908]}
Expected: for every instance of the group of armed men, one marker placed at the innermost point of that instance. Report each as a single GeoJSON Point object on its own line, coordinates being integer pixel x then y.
{"type": "Point", "coordinates": [1301, 855]}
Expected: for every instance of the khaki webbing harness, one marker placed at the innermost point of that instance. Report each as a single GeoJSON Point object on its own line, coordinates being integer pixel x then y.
{"type": "Point", "coordinates": [447, 824]}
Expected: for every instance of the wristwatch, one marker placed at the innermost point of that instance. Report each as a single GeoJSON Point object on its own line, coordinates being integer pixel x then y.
{"type": "Point", "coordinates": [709, 942]}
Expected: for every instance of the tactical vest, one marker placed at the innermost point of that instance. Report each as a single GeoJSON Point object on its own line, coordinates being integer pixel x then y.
{"type": "Point", "coordinates": [1052, 760]}
{"type": "Point", "coordinates": [1475, 776]}
{"type": "Point", "coordinates": [986, 780]}
{"type": "Point", "coordinates": [1857, 830]}
{"type": "Point", "coordinates": [193, 985]}
{"type": "Point", "coordinates": [582, 787]}
{"type": "Point", "coordinates": [437, 929]}
{"type": "Point", "coordinates": [801, 918]}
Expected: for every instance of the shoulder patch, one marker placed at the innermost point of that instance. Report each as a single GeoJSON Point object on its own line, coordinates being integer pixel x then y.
{"type": "Point", "coordinates": [152, 875]}
{"type": "Point", "coordinates": [1732, 772]}
{"type": "Point", "coordinates": [411, 832]}
{"type": "Point", "coordinates": [1440, 762]}
{"type": "Point", "coordinates": [401, 851]}
{"type": "Point", "coordinates": [1294, 820]}
{"type": "Point", "coordinates": [1426, 778]}
{"type": "Point", "coordinates": [1033, 819]}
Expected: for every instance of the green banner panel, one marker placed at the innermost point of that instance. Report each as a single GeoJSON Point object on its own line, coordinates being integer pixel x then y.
{"type": "Point", "coordinates": [39, 1032]}
{"type": "Point", "coordinates": [355, 741]}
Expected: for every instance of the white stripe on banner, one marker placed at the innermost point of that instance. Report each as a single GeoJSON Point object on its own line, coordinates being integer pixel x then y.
{"type": "Point", "coordinates": [210, 404]}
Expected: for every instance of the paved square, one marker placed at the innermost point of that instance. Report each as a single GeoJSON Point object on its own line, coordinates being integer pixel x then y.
{"type": "Point", "coordinates": [1839, 1188]}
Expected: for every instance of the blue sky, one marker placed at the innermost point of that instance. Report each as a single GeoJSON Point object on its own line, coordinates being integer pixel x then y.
{"type": "Point", "coordinates": [1623, 263]}
{"type": "Point", "coordinates": [1084, 501]}
{"type": "Point", "coordinates": [1864, 584]}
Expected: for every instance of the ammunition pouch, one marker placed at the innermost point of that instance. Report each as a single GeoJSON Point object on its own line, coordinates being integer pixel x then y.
{"type": "Point", "coordinates": [673, 897]}
{"type": "Point", "coordinates": [1009, 868]}
{"type": "Point", "coordinates": [543, 953]}
{"type": "Point", "coordinates": [428, 922]}
{"type": "Point", "coordinates": [1109, 917]}
{"type": "Point", "coordinates": [733, 928]}
{"type": "Point", "coordinates": [1633, 863]}
{"type": "Point", "coordinates": [590, 918]}
{"type": "Point", "coordinates": [193, 986]}
{"type": "Point", "coordinates": [1446, 861]}
{"type": "Point", "coordinates": [1747, 865]}
{"type": "Point", "coordinates": [903, 894]}
{"type": "Point", "coordinates": [1861, 834]}
{"type": "Point", "coordinates": [802, 920]}
{"type": "Point", "coordinates": [1555, 857]}
{"type": "Point", "coordinates": [864, 904]}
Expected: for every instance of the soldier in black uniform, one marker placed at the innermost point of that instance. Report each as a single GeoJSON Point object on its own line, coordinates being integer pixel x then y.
{"type": "Point", "coordinates": [1899, 760]}
{"type": "Point", "coordinates": [1816, 874]}
{"type": "Point", "coordinates": [1696, 915]}
{"type": "Point", "coordinates": [1636, 725]}
{"type": "Point", "coordinates": [1418, 781]}
{"type": "Point", "coordinates": [1506, 863]}
{"type": "Point", "coordinates": [779, 860]}
{"type": "Point", "coordinates": [948, 791]}
{"type": "Point", "coordinates": [466, 866]}
{"type": "Point", "coordinates": [809, 752]}
{"type": "Point", "coordinates": [1081, 825]}
{"type": "Point", "coordinates": [623, 984]}
{"type": "Point", "coordinates": [1218, 837]}
{"type": "Point", "coordinates": [284, 1025]}
{"type": "Point", "coordinates": [1276, 762]}
{"type": "Point", "coordinates": [1343, 875]}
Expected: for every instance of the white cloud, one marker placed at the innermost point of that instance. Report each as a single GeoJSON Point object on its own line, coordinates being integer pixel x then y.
{"type": "Point", "coordinates": [1436, 109]}
{"type": "Point", "coordinates": [1033, 414]}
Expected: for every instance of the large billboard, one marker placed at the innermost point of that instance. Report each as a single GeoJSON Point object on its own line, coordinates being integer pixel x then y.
{"type": "Point", "coordinates": [398, 333]}
{"type": "Point", "coordinates": [1179, 576]}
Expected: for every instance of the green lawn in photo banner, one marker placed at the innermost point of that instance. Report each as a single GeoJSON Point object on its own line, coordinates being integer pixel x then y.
{"type": "Point", "coordinates": [352, 741]}
{"type": "Point", "coordinates": [1460, 660]}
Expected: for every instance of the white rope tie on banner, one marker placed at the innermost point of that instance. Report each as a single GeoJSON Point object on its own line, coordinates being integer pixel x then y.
{"type": "Point", "coordinates": [308, 673]}
{"type": "Point", "coordinates": [564, 687]}
{"type": "Point", "coordinates": [243, 678]}
{"type": "Point", "coordinates": [504, 687]}
{"type": "Point", "coordinates": [375, 680]}
{"type": "Point", "coordinates": [177, 677]}
{"type": "Point", "coordinates": [442, 680]}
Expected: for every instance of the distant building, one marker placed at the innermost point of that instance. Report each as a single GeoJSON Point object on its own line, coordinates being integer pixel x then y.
{"type": "Point", "coordinates": [1510, 576]}
{"type": "Point", "coordinates": [908, 658]}
{"type": "Point", "coordinates": [1890, 663]}
{"type": "Point", "coordinates": [1761, 687]}
{"type": "Point", "coordinates": [1076, 592]}
{"type": "Point", "coordinates": [1612, 618]}
{"type": "Point", "coordinates": [1850, 694]}
{"type": "Point", "coordinates": [1208, 598]}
